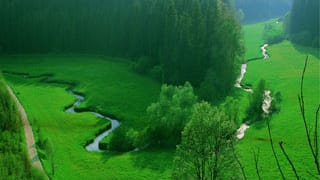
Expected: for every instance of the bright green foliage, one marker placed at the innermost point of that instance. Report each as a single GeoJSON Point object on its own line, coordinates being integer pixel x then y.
{"type": "Point", "coordinates": [303, 23]}
{"type": "Point", "coordinates": [254, 110]}
{"type": "Point", "coordinates": [282, 72]}
{"type": "Point", "coordinates": [124, 139]}
{"type": "Point", "coordinates": [168, 117]}
{"type": "Point", "coordinates": [109, 87]}
{"type": "Point", "coordinates": [173, 41]}
{"type": "Point", "coordinates": [253, 35]}
{"type": "Point", "coordinates": [205, 151]}
{"type": "Point", "coordinates": [231, 108]}
{"type": "Point", "coordinates": [14, 163]}
{"type": "Point", "coordinates": [276, 102]}
{"type": "Point", "coordinates": [9, 118]}
{"type": "Point", "coordinates": [273, 33]}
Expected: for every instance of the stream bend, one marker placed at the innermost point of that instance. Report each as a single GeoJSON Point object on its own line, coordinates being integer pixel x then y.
{"type": "Point", "coordinates": [94, 146]}
{"type": "Point", "coordinates": [45, 78]}
{"type": "Point", "coordinates": [266, 104]}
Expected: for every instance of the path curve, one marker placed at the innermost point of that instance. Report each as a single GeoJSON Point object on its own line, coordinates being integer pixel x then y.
{"type": "Point", "coordinates": [30, 140]}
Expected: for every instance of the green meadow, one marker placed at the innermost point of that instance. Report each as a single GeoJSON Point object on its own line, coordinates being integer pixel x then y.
{"type": "Point", "coordinates": [45, 104]}
{"type": "Point", "coordinates": [282, 72]}
{"type": "Point", "coordinates": [112, 88]}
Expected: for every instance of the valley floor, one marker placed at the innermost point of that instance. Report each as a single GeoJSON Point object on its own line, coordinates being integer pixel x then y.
{"type": "Point", "coordinates": [112, 88]}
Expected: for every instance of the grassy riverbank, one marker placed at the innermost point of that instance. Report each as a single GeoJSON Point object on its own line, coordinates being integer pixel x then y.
{"type": "Point", "coordinates": [112, 88]}
{"type": "Point", "coordinates": [282, 72]}
{"type": "Point", "coordinates": [108, 83]}
{"type": "Point", "coordinates": [68, 132]}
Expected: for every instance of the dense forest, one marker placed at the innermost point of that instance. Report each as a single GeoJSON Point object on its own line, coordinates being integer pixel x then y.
{"type": "Point", "coordinates": [145, 89]}
{"type": "Point", "coordinates": [303, 23]}
{"type": "Point", "coordinates": [173, 41]}
{"type": "Point", "coordinates": [250, 11]}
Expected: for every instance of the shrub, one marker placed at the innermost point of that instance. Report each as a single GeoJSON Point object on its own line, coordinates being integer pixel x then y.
{"type": "Point", "coordinates": [273, 33]}
{"type": "Point", "coordinates": [123, 139]}
{"type": "Point", "coordinates": [168, 116]}
{"type": "Point", "coordinates": [142, 65]}
{"type": "Point", "coordinates": [276, 102]}
{"type": "Point", "coordinates": [254, 110]}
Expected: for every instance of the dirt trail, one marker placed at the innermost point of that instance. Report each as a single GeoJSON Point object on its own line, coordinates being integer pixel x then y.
{"type": "Point", "coordinates": [30, 141]}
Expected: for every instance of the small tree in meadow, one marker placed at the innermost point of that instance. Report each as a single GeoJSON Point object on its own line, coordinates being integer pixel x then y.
{"type": "Point", "coordinates": [206, 149]}
{"type": "Point", "coordinates": [168, 116]}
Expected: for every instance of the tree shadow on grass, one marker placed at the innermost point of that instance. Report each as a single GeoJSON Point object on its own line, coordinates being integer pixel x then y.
{"type": "Point", "coordinates": [155, 159]}
{"type": "Point", "coordinates": [151, 158]}
{"type": "Point", "coordinates": [259, 124]}
{"type": "Point", "coordinates": [307, 50]}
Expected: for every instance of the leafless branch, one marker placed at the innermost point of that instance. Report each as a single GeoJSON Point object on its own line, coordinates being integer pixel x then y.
{"type": "Point", "coordinates": [256, 161]}
{"type": "Point", "coordinates": [239, 162]}
{"type": "Point", "coordinates": [314, 148]}
{"type": "Point", "coordinates": [273, 151]}
{"type": "Point", "coordinates": [289, 160]}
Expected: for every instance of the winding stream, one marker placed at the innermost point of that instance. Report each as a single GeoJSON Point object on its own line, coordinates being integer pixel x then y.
{"type": "Point", "coordinates": [94, 146]}
{"type": "Point", "coordinates": [267, 98]}
{"type": "Point", "coordinates": [264, 51]}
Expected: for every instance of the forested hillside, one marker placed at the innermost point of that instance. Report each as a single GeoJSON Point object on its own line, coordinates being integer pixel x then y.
{"type": "Point", "coordinates": [173, 41]}
{"type": "Point", "coordinates": [303, 23]}
{"type": "Point", "coordinates": [259, 10]}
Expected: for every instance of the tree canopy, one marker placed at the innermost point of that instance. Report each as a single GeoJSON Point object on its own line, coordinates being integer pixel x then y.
{"type": "Point", "coordinates": [181, 40]}
{"type": "Point", "coordinates": [259, 10]}
{"type": "Point", "coordinates": [168, 116]}
{"type": "Point", "coordinates": [206, 147]}
{"type": "Point", "coordinates": [303, 23]}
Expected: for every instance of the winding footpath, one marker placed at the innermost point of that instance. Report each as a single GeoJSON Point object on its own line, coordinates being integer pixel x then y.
{"type": "Point", "coordinates": [30, 140]}
{"type": "Point", "coordinates": [267, 98]}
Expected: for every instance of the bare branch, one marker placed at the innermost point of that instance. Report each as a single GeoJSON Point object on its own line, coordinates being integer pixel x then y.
{"type": "Point", "coordinates": [316, 135]}
{"type": "Point", "coordinates": [274, 152]}
{"type": "Point", "coordinates": [314, 148]}
{"type": "Point", "coordinates": [314, 176]}
{"type": "Point", "coordinates": [256, 161]}
{"type": "Point", "coordinates": [289, 160]}
{"type": "Point", "coordinates": [239, 162]}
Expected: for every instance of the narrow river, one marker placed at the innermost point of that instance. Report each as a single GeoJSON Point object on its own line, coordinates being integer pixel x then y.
{"type": "Point", "coordinates": [267, 98]}
{"type": "Point", "coordinates": [94, 146]}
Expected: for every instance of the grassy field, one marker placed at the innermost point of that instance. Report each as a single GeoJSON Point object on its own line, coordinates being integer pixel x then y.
{"type": "Point", "coordinates": [111, 87]}
{"type": "Point", "coordinates": [282, 72]}
{"type": "Point", "coordinates": [108, 85]}
{"type": "Point", "coordinates": [253, 35]}
{"type": "Point", "coordinates": [253, 39]}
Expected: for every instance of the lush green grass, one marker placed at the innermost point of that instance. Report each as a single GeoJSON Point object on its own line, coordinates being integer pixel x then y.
{"type": "Point", "coordinates": [113, 89]}
{"type": "Point", "coordinates": [282, 72]}
{"type": "Point", "coordinates": [108, 83]}
{"type": "Point", "coordinates": [14, 159]}
{"type": "Point", "coordinates": [253, 35]}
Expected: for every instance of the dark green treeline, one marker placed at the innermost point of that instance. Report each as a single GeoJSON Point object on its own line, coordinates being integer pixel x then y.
{"type": "Point", "coordinates": [174, 40]}
{"type": "Point", "coordinates": [303, 22]}
{"type": "Point", "coordinates": [251, 11]}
